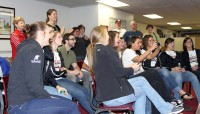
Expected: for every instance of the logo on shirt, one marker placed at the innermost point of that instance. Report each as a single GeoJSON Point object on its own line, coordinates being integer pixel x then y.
{"type": "Point", "coordinates": [36, 59]}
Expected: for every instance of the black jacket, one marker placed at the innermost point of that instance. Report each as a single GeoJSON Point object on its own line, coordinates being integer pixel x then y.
{"type": "Point", "coordinates": [49, 73]}
{"type": "Point", "coordinates": [26, 75]}
{"type": "Point", "coordinates": [110, 75]}
{"type": "Point", "coordinates": [186, 61]}
{"type": "Point", "coordinates": [169, 62]}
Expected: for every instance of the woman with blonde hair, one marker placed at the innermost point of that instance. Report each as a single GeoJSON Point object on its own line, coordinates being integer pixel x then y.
{"type": "Point", "coordinates": [107, 67]}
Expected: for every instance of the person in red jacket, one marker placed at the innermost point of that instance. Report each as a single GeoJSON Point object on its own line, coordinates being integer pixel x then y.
{"type": "Point", "coordinates": [18, 35]}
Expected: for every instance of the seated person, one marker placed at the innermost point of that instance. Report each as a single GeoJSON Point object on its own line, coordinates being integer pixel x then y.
{"type": "Point", "coordinates": [26, 93]}
{"type": "Point", "coordinates": [70, 60]}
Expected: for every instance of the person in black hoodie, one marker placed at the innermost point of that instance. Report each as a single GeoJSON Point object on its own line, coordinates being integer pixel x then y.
{"type": "Point", "coordinates": [172, 61]}
{"type": "Point", "coordinates": [112, 86]}
{"type": "Point", "coordinates": [26, 94]}
{"type": "Point", "coordinates": [191, 57]}
{"type": "Point", "coordinates": [55, 73]}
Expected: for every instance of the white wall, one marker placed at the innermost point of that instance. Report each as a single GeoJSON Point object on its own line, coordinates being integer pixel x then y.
{"type": "Point", "coordinates": [105, 12]}
{"type": "Point", "coordinates": [86, 15]}
{"type": "Point", "coordinates": [32, 11]}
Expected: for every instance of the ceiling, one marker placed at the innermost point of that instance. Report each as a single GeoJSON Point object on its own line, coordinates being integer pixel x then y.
{"type": "Point", "coordinates": [186, 12]}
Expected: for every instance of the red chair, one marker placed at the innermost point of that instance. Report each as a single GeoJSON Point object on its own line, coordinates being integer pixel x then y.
{"type": "Point", "coordinates": [102, 108]}
{"type": "Point", "coordinates": [5, 86]}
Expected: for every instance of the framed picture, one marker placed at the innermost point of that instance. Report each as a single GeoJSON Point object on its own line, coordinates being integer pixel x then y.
{"type": "Point", "coordinates": [6, 18]}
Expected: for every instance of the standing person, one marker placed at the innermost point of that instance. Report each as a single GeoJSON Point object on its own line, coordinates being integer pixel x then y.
{"type": "Point", "coordinates": [26, 94]}
{"type": "Point", "coordinates": [191, 57]}
{"type": "Point", "coordinates": [82, 41]}
{"type": "Point", "coordinates": [172, 60]}
{"type": "Point", "coordinates": [104, 61]}
{"type": "Point", "coordinates": [132, 32]}
{"type": "Point", "coordinates": [52, 18]}
{"type": "Point", "coordinates": [119, 29]}
{"type": "Point", "coordinates": [56, 75]}
{"type": "Point", "coordinates": [150, 31]}
{"type": "Point", "coordinates": [18, 35]}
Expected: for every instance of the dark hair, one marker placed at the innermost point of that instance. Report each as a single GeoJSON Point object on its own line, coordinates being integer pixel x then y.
{"type": "Point", "coordinates": [132, 40]}
{"type": "Point", "coordinates": [112, 35]}
{"type": "Point", "coordinates": [81, 26]}
{"type": "Point", "coordinates": [74, 28]}
{"type": "Point", "coordinates": [184, 41]}
{"type": "Point", "coordinates": [49, 12]}
{"type": "Point", "coordinates": [168, 40]}
{"type": "Point", "coordinates": [66, 37]}
{"type": "Point", "coordinates": [146, 40]}
{"type": "Point", "coordinates": [148, 26]}
{"type": "Point", "coordinates": [35, 27]}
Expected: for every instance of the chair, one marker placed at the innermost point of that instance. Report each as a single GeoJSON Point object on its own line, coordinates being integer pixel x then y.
{"type": "Point", "coordinates": [102, 108]}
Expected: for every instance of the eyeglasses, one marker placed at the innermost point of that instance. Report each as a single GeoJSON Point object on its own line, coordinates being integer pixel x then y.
{"type": "Point", "coordinates": [72, 39]}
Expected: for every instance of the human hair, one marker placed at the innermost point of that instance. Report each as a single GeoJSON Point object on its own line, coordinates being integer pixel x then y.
{"type": "Point", "coordinates": [66, 37]}
{"type": "Point", "coordinates": [117, 21]}
{"type": "Point", "coordinates": [132, 22]}
{"type": "Point", "coordinates": [168, 40]}
{"type": "Point", "coordinates": [185, 40]}
{"type": "Point", "coordinates": [81, 26]}
{"type": "Point", "coordinates": [74, 29]}
{"type": "Point", "coordinates": [17, 19]}
{"type": "Point", "coordinates": [98, 34]}
{"type": "Point", "coordinates": [35, 27]}
{"type": "Point", "coordinates": [49, 12]}
{"type": "Point", "coordinates": [112, 35]}
{"type": "Point", "coordinates": [146, 40]}
{"type": "Point", "coordinates": [149, 26]}
{"type": "Point", "coordinates": [132, 40]}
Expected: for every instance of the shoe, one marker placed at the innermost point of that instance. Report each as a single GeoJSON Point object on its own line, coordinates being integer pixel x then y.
{"type": "Point", "coordinates": [177, 102]}
{"type": "Point", "coordinates": [187, 108]}
{"type": "Point", "coordinates": [176, 110]}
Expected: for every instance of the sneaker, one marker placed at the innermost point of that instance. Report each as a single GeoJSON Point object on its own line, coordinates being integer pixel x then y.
{"type": "Point", "coordinates": [177, 103]}
{"type": "Point", "coordinates": [176, 110]}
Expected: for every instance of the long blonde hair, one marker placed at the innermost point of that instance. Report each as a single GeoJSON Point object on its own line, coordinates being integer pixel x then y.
{"type": "Point", "coordinates": [98, 34]}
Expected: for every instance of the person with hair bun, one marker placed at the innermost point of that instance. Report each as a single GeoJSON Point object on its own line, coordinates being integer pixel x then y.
{"type": "Point", "coordinates": [18, 35]}
{"type": "Point", "coordinates": [26, 93]}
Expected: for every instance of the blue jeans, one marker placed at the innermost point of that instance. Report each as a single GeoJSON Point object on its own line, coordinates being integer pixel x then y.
{"type": "Point", "coordinates": [169, 80]}
{"type": "Point", "coordinates": [55, 105]}
{"type": "Point", "coordinates": [53, 91]}
{"type": "Point", "coordinates": [142, 89]}
{"type": "Point", "coordinates": [187, 76]}
{"type": "Point", "coordinates": [78, 92]}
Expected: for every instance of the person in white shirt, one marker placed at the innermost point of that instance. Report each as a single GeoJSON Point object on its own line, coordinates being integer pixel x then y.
{"type": "Point", "coordinates": [191, 57]}
{"type": "Point", "coordinates": [119, 29]}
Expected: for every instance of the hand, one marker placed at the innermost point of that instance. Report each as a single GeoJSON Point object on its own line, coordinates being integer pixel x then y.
{"type": "Point", "coordinates": [183, 69]}
{"type": "Point", "coordinates": [80, 75]}
{"type": "Point", "coordinates": [154, 46]}
{"type": "Point", "coordinates": [59, 88]}
{"type": "Point", "coordinates": [76, 72]}
{"type": "Point", "coordinates": [62, 31]}
{"type": "Point", "coordinates": [177, 69]}
{"type": "Point", "coordinates": [136, 66]}
{"type": "Point", "coordinates": [62, 68]}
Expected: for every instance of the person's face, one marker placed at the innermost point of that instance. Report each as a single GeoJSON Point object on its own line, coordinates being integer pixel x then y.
{"type": "Point", "coordinates": [82, 31]}
{"type": "Point", "coordinates": [150, 42]}
{"type": "Point", "coordinates": [116, 40]}
{"type": "Point", "coordinates": [71, 41]}
{"type": "Point", "coordinates": [171, 45]}
{"type": "Point", "coordinates": [118, 25]}
{"type": "Point", "coordinates": [76, 33]}
{"type": "Point", "coordinates": [122, 44]}
{"type": "Point", "coordinates": [48, 34]}
{"type": "Point", "coordinates": [58, 39]}
{"type": "Point", "coordinates": [20, 25]}
{"type": "Point", "coordinates": [150, 29]}
{"type": "Point", "coordinates": [134, 26]}
{"type": "Point", "coordinates": [53, 16]}
{"type": "Point", "coordinates": [188, 43]}
{"type": "Point", "coordinates": [137, 44]}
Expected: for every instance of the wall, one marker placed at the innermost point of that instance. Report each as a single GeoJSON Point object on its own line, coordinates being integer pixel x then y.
{"type": "Point", "coordinates": [86, 15]}
{"type": "Point", "coordinates": [32, 11]}
{"type": "Point", "coordinates": [105, 12]}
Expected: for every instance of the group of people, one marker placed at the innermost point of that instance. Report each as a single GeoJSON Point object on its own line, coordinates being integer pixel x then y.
{"type": "Point", "coordinates": [44, 71]}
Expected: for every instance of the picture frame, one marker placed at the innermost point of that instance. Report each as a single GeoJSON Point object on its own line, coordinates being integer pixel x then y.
{"type": "Point", "coordinates": [7, 15]}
